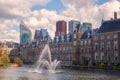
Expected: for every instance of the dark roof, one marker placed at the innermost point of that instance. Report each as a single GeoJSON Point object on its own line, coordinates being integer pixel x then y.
{"type": "Point", "coordinates": [88, 34]}
{"type": "Point", "coordinates": [110, 26]}
{"type": "Point", "coordinates": [77, 28]}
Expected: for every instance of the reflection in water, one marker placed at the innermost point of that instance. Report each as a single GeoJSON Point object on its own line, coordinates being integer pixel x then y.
{"type": "Point", "coordinates": [23, 78]}
{"type": "Point", "coordinates": [23, 74]}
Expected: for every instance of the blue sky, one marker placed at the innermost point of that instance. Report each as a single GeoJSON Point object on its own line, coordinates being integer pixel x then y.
{"type": "Point", "coordinates": [57, 5]}
{"type": "Point", "coordinates": [54, 5]}
{"type": "Point", "coordinates": [102, 1]}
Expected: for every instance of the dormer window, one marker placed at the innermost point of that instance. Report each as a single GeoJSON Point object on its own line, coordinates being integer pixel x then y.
{"type": "Point", "coordinates": [68, 38]}
{"type": "Point", "coordinates": [62, 38]}
{"type": "Point", "coordinates": [75, 36]}
{"type": "Point", "coordinates": [57, 39]}
{"type": "Point", "coordinates": [88, 35]}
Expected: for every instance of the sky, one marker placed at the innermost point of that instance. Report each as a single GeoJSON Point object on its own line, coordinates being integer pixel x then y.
{"type": "Point", "coordinates": [38, 14]}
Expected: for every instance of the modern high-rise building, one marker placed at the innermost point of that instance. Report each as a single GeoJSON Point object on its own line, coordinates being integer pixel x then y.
{"type": "Point", "coordinates": [25, 33]}
{"type": "Point", "coordinates": [86, 26]}
{"type": "Point", "coordinates": [61, 28]}
{"type": "Point", "coordinates": [42, 35]}
{"type": "Point", "coordinates": [73, 25]}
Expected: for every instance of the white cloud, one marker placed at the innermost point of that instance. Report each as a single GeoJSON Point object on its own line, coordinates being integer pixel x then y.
{"type": "Point", "coordinates": [10, 10]}
{"type": "Point", "coordinates": [89, 11]}
{"type": "Point", "coordinates": [86, 11]}
{"type": "Point", "coordinates": [108, 9]}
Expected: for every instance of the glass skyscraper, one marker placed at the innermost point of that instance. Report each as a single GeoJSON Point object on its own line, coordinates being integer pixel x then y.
{"type": "Point", "coordinates": [73, 25]}
{"type": "Point", "coordinates": [25, 33]}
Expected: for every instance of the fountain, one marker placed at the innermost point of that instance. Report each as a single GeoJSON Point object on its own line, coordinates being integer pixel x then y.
{"type": "Point", "coordinates": [45, 60]}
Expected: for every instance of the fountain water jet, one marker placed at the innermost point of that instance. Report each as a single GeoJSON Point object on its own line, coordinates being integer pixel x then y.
{"type": "Point", "coordinates": [45, 60]}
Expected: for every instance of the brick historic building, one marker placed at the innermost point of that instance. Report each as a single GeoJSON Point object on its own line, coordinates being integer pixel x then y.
{"type": "Point", "coordinates": [107, 42]}
{"type": "Point", "coordinates": [84, 46]}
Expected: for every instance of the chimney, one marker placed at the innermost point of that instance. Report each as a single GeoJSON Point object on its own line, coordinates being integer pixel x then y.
{"type": "Point", "coordinates": [111, 18]}
{"type": "Point", "coordinates": [115, 15]}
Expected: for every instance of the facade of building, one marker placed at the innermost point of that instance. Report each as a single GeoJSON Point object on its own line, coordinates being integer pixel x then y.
{"type": "Point", "coordinates": [86, 49]}
{"type": "Point", "coordinates": [61, 28]}
{"type": "Point", "coordinates": [63, 52]}
{"type": "Point", "coordinates": [107, 42]}
{"type": "Point", "coordinates": [62, 49]}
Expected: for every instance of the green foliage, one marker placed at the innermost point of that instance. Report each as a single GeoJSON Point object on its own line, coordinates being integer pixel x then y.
{"type": "Point", "coordinates": [101, 65]}
{"type": "Point", "coordinates": [111, 65]}
{"type": "Point", "coordinates": [18, 61]}
{"type": "Point", "coordinates": [75, 62]}
{"type": "Point", "coordinates": [4, 58]}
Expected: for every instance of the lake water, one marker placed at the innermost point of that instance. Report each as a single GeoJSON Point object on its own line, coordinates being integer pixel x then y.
{"type": "Point", "coordinates": [22, 73]}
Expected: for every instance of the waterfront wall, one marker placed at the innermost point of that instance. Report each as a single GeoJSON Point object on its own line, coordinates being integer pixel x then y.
{"type": "Point", "coordinates": [31, 55]}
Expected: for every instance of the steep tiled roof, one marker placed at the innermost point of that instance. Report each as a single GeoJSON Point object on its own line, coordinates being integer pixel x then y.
{"type": "Point", "coordinates": [88, 34]}
{"type": "Point", "coordinates": [110, 26]}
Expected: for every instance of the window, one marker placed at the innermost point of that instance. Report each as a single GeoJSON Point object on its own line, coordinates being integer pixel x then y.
{"type": "Point", "coordinates": [75, 35]}
{"type": "Point", "coordinates": [102, 45]}
{"type": "Point", "coordinates": [108, 37]}
{"type": "Point", "coordinates": [102, 55]}
{"type": "Point", "coordinates": [68, 38]}
{"type": "Point", "coordinates": [96, 38]}
{"type": "Point", "coordinates": [115, 36]}
{"type": "Point", "coordinates": [88, 35]}
{"type": "Point", "coordinates": [62, 38]}
{"type": "Point", "coordinates": [116, 56]}
{"type": "Point", "coordinates": [75, 43]}
{"type": "Point", "coordinates": [60, 49]}
{"type": "Point", "coordinates": [89, 42]}
{"type": "Point", "coordinates": [102, 37]}
{"type": "Point", "coordinates": [81, 43]}
{"type": "Point", "coordinates": [63, 48]}
{"type": "Point", "coordinates": [85, 42]}
{"type": "Point", "coordinates": [57, 39]}
{"type": "Point", "coordinates": [115, 45]}
{"type": "Point", "coordinates": [108, 45]}
{"type": "Point", "coordinates": [96, 46]}
{"type": "Point", "coordinates": [96, 56]}
{"type": "Point", "coordinates": [81, 50]}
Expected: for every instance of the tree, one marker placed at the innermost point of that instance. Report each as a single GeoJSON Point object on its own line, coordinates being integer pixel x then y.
{"type": "Point", "coordinates": [1, 51]}
{"type": "Point", "coordinates": [18, 61]}
{"type": "Point", "coordinates": [5, 58]}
